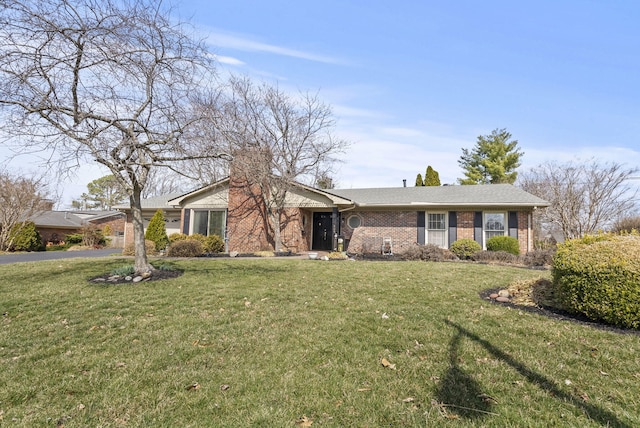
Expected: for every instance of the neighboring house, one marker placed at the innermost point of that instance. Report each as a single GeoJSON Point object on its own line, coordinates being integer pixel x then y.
{"type": "Point", "coordinates": [355, 220]}
{"type": "Point", "coordinates": [53, 226]}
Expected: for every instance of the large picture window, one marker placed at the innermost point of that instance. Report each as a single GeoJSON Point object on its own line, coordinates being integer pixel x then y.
{"type": "Point", "coordinates": [494, 225]}
{"type": "Point", "coordinates": [209, 222]}
{"type": "Point", "coordinates": [437, 229]}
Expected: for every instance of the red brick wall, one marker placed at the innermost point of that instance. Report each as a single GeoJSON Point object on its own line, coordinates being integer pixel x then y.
{"type": "Point", "coordinates": [465, 224]}
{"type": "Point", "coordinates": [116, 224]}
{"type": "Point", "coordinates": [400, 226]}
{"type": "Point", "coordinates": [524, 233]}
{"type": "Point", "coordinates": [52, 235]}
{"type": "Point", "coordinates": [246, 219]}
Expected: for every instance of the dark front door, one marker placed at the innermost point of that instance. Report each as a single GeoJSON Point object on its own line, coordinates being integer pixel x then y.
{"type": "Point", "coordinates": [322, 231]}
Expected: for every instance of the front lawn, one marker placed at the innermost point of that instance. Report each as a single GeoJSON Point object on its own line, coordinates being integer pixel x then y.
{"type": "Point", "coordinates": [294, 343]}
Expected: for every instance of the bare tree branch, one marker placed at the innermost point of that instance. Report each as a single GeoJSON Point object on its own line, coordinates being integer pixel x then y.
{"type": "Point", "coordinates": [584, 197]}
{"type": "Point", "coordinates": [105, 81]}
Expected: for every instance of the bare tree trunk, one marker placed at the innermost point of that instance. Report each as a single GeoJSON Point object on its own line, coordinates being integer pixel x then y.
{"type": "Point", "coordinates": [274, 216]}
{"type": "Point", "coordinates": [141, 263]}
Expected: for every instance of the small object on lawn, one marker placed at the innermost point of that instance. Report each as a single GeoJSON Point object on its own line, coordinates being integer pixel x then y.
{"type": "Point", "coordinates": [193, 386]}
{"type": "Point", "coordinates": [224, 387]}
{"type": "Point", "coordinates": [385, 363]}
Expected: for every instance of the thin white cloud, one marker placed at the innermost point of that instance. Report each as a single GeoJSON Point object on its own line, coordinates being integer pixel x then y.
{"type": "Point", "coordinates": [229, 60]}
{"type": "Point", "coordinates": [246, 43]}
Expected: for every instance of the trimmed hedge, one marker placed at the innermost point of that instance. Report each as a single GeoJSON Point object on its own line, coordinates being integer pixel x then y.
{"type": "Point", "coordinates": [465, 248]}
{"type": "Point", "coordinates": [508, 244]}
{"type": "Point", "coordinates": [213, 244]}
{"type": "Point", "coordinates": [185, 248]}
{"type": "Point", "coordinates": [599, 277]}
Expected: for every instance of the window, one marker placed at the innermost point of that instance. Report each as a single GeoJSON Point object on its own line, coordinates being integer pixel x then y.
{"type": "Point", "coordinates": [209, 223]}
{"type": "Point", "coordinates": [354, 221]}
{"type": "Point", "coordinates": [437, 229]}
{"type": "Point", "coordinates": [494, 225]}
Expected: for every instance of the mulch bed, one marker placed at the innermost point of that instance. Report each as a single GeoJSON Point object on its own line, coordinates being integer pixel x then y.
{"type": "Point", "coordinates": [156, 275]}
{"type": "Point", "coordinates": [557, 314]}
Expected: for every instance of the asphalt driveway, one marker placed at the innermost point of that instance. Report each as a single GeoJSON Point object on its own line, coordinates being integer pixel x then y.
{"type": "Point", "coordinates": [55, 255]}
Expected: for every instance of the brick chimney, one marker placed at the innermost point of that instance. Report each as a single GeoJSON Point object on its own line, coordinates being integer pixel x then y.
{"type": "Point", "coordinates": [246, 222]}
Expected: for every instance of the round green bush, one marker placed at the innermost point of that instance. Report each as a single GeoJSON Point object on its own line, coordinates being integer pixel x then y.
{"type": "Point", "coordinates": [186, 248]}
{"type": "Point", "coordinates": [599, 277]}
{"type": "Point", "coordinates": [465, 248]}
{"type": "Point", "coordinates": [508, 244]}
{"type": "Point", "coordinates": [25, 237]}
{"type": "Point", "coordinates": [177, 237]}
{"type": "Point", "coordinates": [213, 244]}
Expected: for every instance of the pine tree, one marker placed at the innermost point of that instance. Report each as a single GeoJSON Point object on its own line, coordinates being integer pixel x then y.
{"type": "Point", "coordinates": [419, 181]}
{"type": "Point", "coordinates": [493, 160]}
{"type": "Point", "coordinates": [157, 232]}
{"type": "Point", "coordinates": [431, 178]}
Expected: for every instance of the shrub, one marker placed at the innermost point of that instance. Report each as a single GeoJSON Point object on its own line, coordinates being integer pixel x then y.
{"type": "Point", "coordinates": [129, 249]}
{"type": "Point", "coordinates": [539, 257]}
{"type": "Point", "coordinates": [74, 238]}
{"type": "Point", "coordinates": [508, 244]}
{"type": "Point", "coordinates": [123, 270]}
{"type": "Point", "coordinates": [177, 237]}
{"type": "Point", "coordinates": [213, 244]}
{"type": "Point", "coordinates": [185, 248]}
{"type": "Point", "coordinates": [92, 236]}
{"type": "Point", "coordinates": [337, 255]}
{"type": "Point", "coordinates": [465, 248]}
{"type": "Point", "coordinates": [25, 237]}
{"type": "Point", "coordinates": [198, 237]}
{"type": "Point", "coordinates": [428, 252]}
{"type": "Point", "coordinates": [627, 224]}
{"type": "Point", "coordinates": [107, 231]}
{"type": "Point", "coordinates": [599, 277]}
{"type": "Point", "coordinates": [495, 256]}
{"type": "Point", "coordinates": [157, 231]}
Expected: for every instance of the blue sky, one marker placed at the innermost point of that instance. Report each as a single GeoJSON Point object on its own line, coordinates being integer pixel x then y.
{"type": "Point", "coordinates": [411, 83]}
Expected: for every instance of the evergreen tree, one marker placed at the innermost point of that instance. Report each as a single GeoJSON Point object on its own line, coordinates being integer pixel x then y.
{"type": "Point", "coordinates": [104, 192]}
{"type": "Point", "coordinates": [419, 181]}
{"type": "Point", "coordinates": [431, 178]}
{"type": "Point", "coordinates": [493, 160]}
{"type": "Point", "coordinates": [157, 232]}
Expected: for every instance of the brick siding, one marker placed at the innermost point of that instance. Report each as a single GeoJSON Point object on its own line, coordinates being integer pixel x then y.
{"type": "Point", "coordinates": [400, 226]}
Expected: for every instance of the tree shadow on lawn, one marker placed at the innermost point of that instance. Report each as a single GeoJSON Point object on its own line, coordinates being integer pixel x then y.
{"type": "Point", "coordinates": [460, 391]}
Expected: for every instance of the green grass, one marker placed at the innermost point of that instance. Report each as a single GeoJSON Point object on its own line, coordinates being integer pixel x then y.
{"type": "Point", "coordinates": [270, 341]}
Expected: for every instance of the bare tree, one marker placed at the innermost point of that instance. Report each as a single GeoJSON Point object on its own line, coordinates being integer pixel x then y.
{"type": "Point", "coordinates": [584, 197]}
{"type": "Point", "coordinates": [104, 81]}
{"type": "Point", "coordinates": [21, 198]}
{"type": "Point", "coordinates": [278, 140]}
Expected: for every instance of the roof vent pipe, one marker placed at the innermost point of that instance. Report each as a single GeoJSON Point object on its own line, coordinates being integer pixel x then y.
{"type": "Point", "coordinates": [404, 182]}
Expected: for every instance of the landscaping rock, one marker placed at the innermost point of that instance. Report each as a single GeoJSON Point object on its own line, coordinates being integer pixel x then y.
{"type": "Point", "coordinates": [494, 295]}
{"type": "Point", "coordinates": [504, 293]}
{"type": "Point", "coordinates": [138, 278]}
{"type": "Point", "coordinates": [502, 299]}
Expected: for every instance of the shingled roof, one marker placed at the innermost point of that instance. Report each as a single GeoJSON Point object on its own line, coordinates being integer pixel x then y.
{"type": "Point", "coordinates": [490, 195]}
